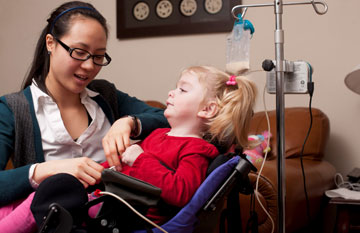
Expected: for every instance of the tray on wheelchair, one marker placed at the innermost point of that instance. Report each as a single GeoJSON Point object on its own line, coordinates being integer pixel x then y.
{"type": "Point", "coordinates": [131, 189]}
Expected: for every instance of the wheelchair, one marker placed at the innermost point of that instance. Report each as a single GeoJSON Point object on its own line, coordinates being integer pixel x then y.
{"type": "Point", "coordinates": [227, 176]}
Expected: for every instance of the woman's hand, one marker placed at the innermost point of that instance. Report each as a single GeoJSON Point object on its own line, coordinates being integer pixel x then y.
{"type": "Point", "coordinates": [117, 140]}
{"type": "Point", "coordinates": [131, 154]}
{"type": "Point", "coordinates": [86, 170]}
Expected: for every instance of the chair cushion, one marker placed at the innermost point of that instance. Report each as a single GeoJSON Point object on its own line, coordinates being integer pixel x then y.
{"type": "Point", "coordinates": [297, 122]}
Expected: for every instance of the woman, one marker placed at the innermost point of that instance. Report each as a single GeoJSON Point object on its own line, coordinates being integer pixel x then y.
{"type": "Point", "coordinates": [60, 122]}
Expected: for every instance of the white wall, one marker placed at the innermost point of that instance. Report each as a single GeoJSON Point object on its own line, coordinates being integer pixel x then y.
{"type": "Point", "coordinates": [148, 68]}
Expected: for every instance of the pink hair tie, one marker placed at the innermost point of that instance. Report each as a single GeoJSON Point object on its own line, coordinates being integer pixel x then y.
{"type": "Point", "coordinates": [232, 81]}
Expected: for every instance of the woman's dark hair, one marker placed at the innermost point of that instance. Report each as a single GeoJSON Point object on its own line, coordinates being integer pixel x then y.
{"type": "Point", "coordinates": [59, 24]}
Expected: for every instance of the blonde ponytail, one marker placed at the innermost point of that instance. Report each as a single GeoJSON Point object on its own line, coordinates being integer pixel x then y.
{"type": "Point", "coordinates": [231, 124]}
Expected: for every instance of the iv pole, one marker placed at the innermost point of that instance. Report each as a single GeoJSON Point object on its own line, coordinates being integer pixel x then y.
{"type": "Point", "coordinates": [280, 69]}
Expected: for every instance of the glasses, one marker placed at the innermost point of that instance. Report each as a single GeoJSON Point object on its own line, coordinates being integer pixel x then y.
{"type": "Point", "coordinates": [83, 55]}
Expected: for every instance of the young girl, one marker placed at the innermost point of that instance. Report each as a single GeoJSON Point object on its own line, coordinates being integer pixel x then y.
{"type": "Point", "coordinates": [208, 106]}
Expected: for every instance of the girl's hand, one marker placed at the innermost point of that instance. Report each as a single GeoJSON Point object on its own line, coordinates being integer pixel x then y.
{"type": "Point", "coordinates": [131, 154]}
{"type": "Point", "coordinates": [86, 170]}
{"type": "Point", "coordinates": [117, 140]}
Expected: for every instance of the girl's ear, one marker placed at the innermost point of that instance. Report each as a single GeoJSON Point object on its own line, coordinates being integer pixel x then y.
{"type": "Point", "coordinates": [50, 43]}
{"type": "Point", "coordinates": [209, 110]}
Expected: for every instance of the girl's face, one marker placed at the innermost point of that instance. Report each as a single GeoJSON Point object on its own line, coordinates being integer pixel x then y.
{"type": "Point", "coordinates": [67, 75]}
{"type": "Point", "coordinates": [186, 100]}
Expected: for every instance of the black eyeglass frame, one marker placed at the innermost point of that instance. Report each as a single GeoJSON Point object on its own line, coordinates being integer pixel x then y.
{"type": "Point", "coordinates": [70, 50]}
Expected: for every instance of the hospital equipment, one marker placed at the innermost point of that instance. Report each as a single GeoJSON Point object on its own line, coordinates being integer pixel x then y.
{"type": "Point", "coordinates": [280, 69]}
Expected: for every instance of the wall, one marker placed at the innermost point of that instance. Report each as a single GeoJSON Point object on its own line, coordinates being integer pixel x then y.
{"type": "Point", "coordinates": [148, 68]}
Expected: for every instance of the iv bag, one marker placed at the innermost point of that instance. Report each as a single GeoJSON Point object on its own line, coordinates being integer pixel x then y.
{"type": "Point", "coordinates": [238, 48]}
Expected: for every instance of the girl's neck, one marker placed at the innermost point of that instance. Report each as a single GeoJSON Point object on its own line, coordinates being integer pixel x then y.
{"type": "Point", "coordinates": [186, 131]}
{"type": "Point", "coordinates": [182, 134]}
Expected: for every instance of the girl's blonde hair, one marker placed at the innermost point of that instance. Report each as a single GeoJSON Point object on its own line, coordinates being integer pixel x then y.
{"type": "Point", "coordinates": [230, 125]}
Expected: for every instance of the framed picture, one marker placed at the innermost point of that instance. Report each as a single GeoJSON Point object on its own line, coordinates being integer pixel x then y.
{"type": "Point", "coordinates": [147, 18]}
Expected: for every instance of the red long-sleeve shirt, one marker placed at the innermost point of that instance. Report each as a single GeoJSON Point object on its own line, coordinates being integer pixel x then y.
{"type": "Point", "coordinates": [177, 165]}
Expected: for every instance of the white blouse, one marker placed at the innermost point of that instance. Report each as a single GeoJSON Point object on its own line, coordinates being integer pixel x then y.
{"type": "Point", "coordinates": [56, 141]}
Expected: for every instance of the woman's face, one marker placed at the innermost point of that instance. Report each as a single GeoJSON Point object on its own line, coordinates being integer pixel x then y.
{"type": "Point", "coordinates": [67, 75]}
